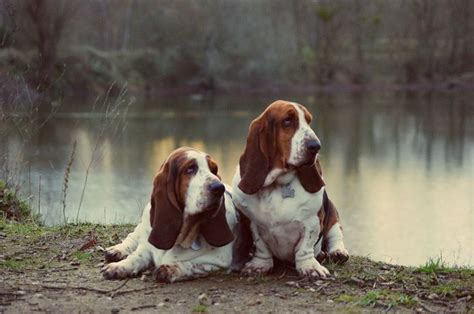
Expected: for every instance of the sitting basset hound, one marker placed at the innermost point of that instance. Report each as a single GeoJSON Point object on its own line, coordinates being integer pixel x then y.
{"type": "Point", "coordinates": [279, 187]}
{"type": "Point", "coordinates": [186, 231]}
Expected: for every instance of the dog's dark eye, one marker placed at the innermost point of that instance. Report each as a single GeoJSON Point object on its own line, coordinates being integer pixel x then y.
{"type": "Point", "coordinates": [191, 169]}
{"type": "Point", "coordinates": [287, 122]}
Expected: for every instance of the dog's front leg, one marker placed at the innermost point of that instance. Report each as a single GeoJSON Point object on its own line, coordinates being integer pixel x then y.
{"type": "Point", "coordinates": [140, 260]}
{"type": "Point", "coordinates": [262, 261]}
{"type": "Point", "coordinates": [120, 251]}
{"type": "Point", "coordinates": [305, 261]}
{"type": "Point", "coordinates": [172, 270]}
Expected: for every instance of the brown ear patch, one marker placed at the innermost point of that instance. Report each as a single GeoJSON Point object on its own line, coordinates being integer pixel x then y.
{"type": "Point", "coordinates": [166, 216]}
{"type": "Point", "coordinates": [311, 177]}
{"type": "Point", "coordinates": [268, 144]}
{"type": "Point", "coordinates": [255, 161]}
{"type": "Point", "coordinates": [212, 166]}
{"type": "Point", "coordinates": [216, 230]}
{"type": "Point", "coordinates": [307, 115]}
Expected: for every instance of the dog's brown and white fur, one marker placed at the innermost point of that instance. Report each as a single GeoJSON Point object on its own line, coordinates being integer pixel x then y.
{"type": "Point", "coordinates": [279, 186]}
{"type": "Point", "coordinates": [186, 231]}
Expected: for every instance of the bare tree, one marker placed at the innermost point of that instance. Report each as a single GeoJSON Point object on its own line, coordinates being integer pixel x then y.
{"type": "Point", "coordinates": [49, 19]}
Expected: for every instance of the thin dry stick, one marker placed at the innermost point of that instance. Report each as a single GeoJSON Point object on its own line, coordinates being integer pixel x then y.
{"type": "Point", "coordinates": [112, 113]}
{"type": "Point", "coordinates": [39, 196]}
{"type": "Point", "coordinates": [67, 171]}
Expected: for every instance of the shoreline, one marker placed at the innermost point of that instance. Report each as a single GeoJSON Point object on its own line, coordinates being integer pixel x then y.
{"type": "Point", "coordinates": [56, 268]}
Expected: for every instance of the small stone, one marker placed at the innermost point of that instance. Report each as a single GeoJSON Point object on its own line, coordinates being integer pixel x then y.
{"type": "Point", "coordinates": [312, 289]}
{"type": "Point", "coordinates": [38, 295]}
{"type": "Point", "coordinates": [101, 264]}
{"type": "Point", "coordinates": [115, 310]}
{"type": "Point", "coordinates": [144, 277]}
{"type": "Point", "coordinates": [260, 295]}
{"type": "Point", "coordinates": [18, 258]}
{"type": "Point", "coordinates": [3, 235]}
{"type": "Point", "coordinates": [161, 304]}
{"type": "Point", "coordinates": [330, 301]}
{"type": "Point", "coordinates": [433, 296]}
{"type": "Point", "coordinates": [216, 304]}
{"type": "Point", "coordinates": [74, 263]}
{"type": "Point", "coordinates": [204, 299]}
{"type": "Point", "coordinates": [20, 292]}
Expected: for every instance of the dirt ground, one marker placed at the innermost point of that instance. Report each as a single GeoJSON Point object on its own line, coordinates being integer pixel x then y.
{"type": "Point", "coordinates": [56, 269]}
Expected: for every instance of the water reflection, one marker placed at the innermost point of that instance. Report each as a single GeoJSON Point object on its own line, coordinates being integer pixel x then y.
{"type": "Point", "coordinates": [398, 166]}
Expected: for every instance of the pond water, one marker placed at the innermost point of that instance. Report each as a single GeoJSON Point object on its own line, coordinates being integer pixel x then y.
{"type": "Point", "coordinates": [398, 166]}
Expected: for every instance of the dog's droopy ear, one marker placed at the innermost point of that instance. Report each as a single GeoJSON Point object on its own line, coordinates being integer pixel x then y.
{"type": "Point", "coordinates": [166, 216]}
{"type": "Point", "coordinates": [256, 161]}
{"type": "Point", "coordinates": [216, 230]}
{"type": "Point", "coordinates": [311, 177]}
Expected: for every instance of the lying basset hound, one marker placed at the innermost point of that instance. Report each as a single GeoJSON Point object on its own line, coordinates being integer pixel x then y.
{"type": "Point", "coordinates": [279, 186]}
{"type": "Point", "coordinates": [186, 231]}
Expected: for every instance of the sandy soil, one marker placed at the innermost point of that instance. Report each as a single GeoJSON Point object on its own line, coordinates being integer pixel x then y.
{"type": "Point", "coordinates": [56, 269]}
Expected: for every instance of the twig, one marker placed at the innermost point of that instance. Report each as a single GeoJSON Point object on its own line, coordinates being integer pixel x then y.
{"type": "Point", "coordinates": [141, 307]}
{"type": "Point", "coordinates": [112, 113]}
{"type": "Point", "coordinates": [112, 292]}
{"type": "Point", "coordinates": [425, 307]}
{"type": "Point", "coordinates": [119, 287]}
{"type": "Point", "coordinates": [39, 196]}
{"type": "Point", "coordinates": [67, 171]}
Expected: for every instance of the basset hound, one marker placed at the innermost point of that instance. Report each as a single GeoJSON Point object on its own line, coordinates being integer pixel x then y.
{"type": "Point", "coordinates": [279, 187]}
{"type": "Point", "coordinates": [187, 229]}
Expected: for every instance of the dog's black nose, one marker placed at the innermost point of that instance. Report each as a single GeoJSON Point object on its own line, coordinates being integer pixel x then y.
{"type": "Point", "coordinates": [313, 146]}
{"type": "Point", "coordinates": [216, 188]}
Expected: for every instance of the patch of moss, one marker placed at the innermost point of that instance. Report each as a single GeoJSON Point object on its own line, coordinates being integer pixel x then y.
{"type": "Point", "coordinates": [199, 309]}
{"type": "Point", "coordinates": [437, 265]}
{"type": "Point", "coordinates": [16, 265]}
{"type": "Point", "coordinates": [387, 298]}
{"type": "Point", "coordinates": [14, 207]}
{"type": "Point", "coordinates": [82, 256]}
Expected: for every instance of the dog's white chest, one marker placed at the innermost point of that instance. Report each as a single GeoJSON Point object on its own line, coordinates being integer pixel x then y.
{"type": "Point", "coordinates": [282, 213]}
{"type": "Point", "coordinates": [283, 239]}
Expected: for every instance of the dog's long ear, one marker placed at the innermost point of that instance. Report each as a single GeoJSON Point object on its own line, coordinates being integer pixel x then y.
{"type": "Point", "coordinates": [311, 177]}
{"type": "Point", "coordinates": [216, 230]}
{"type": "Point", "coordinates": [166, 216]}
{"type": "Point", "coordinates": [255, 162]}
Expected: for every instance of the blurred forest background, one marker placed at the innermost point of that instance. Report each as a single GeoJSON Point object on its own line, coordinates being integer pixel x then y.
{"type": "Point", "coordinates": [70, 47]}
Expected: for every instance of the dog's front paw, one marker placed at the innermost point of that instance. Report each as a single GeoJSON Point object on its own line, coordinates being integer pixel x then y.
{"type": "Point", "coordinates": [258, 266]}
{"type": "Point", "coordinates": [116, 271]}
{"type": "Point", "coordinates": [312, 269]}
{"type": "Point", "coordinates": [168, 273]}
{"type": "Point", "coordinates": [339, 256]}
{"type": "Point", "coordinates": [112, 254]}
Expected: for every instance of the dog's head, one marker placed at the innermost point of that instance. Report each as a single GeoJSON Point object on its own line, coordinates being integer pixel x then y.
{"type": "Point", "coordinates": [281, 138]}
{"type": "Point", "coordinates": [188, 199]}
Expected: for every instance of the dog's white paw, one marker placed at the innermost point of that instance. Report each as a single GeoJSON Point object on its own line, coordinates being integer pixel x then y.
{"type": "Point", "coordinates": [339, 256]}
{"type": "Point", "coordinates": [168, 273]}
{"type": "Point", "coordinates": [114, 254]}
{"type": "Point", "coordinates": [116, 271]}
{"type": "Point", "coordinates": [257, 266]}
{"type": "Point", "coordinates": [312, 269]}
